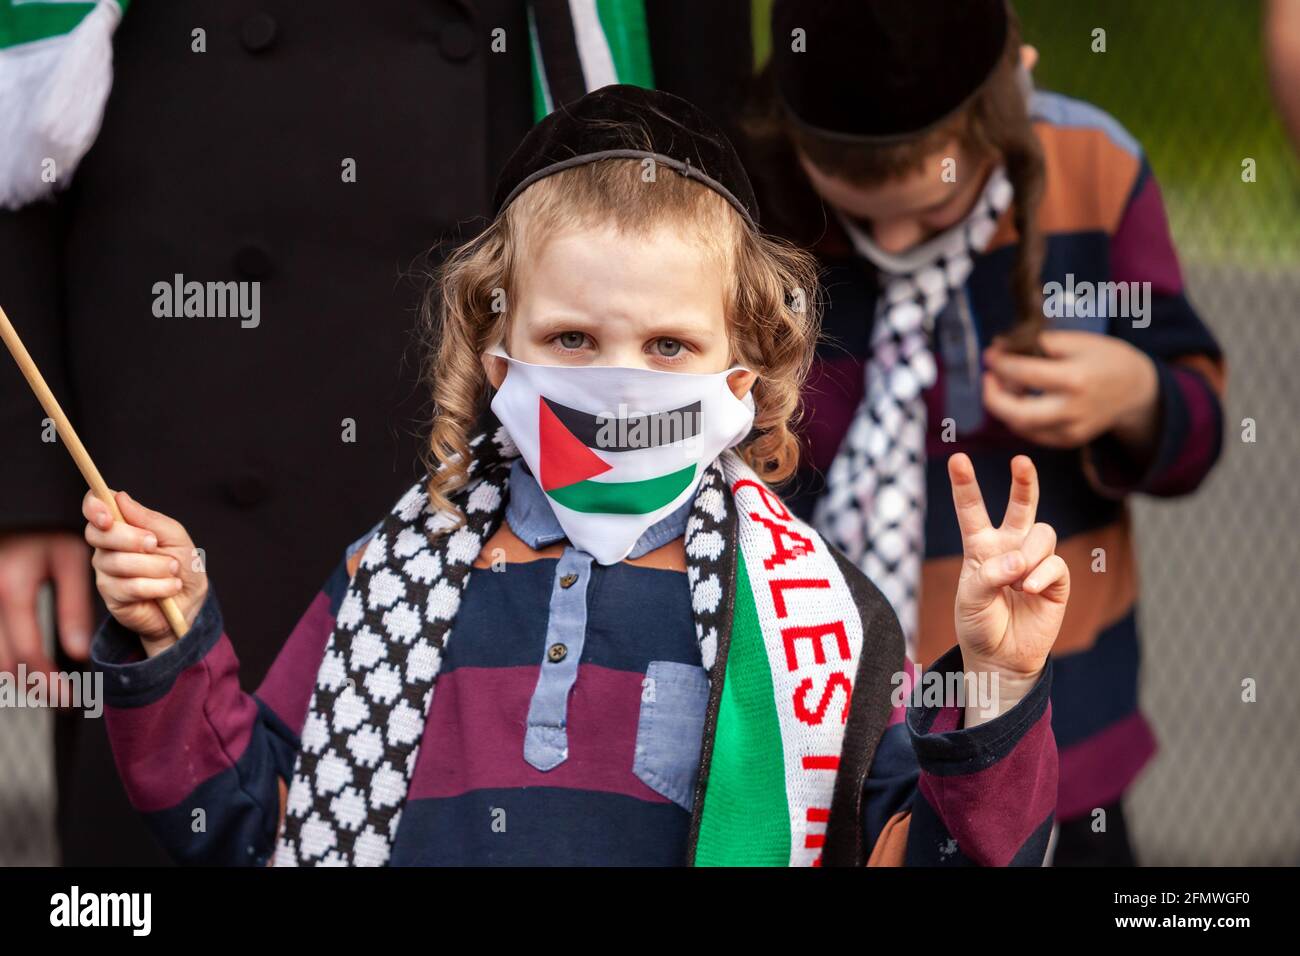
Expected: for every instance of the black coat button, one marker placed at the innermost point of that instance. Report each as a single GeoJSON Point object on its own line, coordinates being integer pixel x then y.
{"type": "Point", "coordinates": [254, 261]}
{"type": "Point", "coordinates": [247, 490]}
{"type": "Point", "coordinates": [456, 41]}
{"type": "Point", "coordinates": [556, 653]}
{"type": "Point", "coordinates": [258, 32]}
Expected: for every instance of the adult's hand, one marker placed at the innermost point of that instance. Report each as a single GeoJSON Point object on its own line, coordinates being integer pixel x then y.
{"type": "Point", "coordinates": [27, 561]}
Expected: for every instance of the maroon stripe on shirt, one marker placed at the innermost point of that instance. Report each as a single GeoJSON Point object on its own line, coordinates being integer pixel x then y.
{"type": "Point", "coordinates": [162, 749]}
{"type": "Point", "coordinates": [1185, 472]}
{"type": "Point", "coordinates": [898, 714]}
{"type": "Point", "coordinates": [946, 720]}
{"type": "Point", "coordinates": [831, 395]}
{"type": "Point", "coordinates": [287, 687]}
{"type": "Point", "coordinates": [1141, 249]}
{"type": "Point", "coordinates": [992, 812]}
{"type": "Point", "coordinates": [474, 738]}
{"type": "Point", "coordinates": [1102, 766]}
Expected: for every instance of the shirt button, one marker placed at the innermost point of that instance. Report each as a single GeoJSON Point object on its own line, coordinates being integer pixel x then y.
{"type": "Point", "coordinates": [247, 490]}
{"type": "Point", "coordinates": [568, 580]}
{"type": "Point", "coordinates": [456, 41]}
{"type": "Point", "coordinates": [254, 261]}
{"type": "Point", "coordinates": [556, 653]}
{"type": "Point", "coordinates": [258, 32]}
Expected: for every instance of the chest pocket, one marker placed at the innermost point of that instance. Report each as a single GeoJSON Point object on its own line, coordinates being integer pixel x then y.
{"type": "Point", "coordinates": [670, 730]}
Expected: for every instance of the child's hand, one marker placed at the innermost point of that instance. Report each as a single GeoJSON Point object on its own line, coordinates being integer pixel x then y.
{"type": "Point", "coordinates": [137, 562]}
{"type": "Point", "coordinates": [1013, 586]}
{"type": "Point", "coordinates": [1088, 384]}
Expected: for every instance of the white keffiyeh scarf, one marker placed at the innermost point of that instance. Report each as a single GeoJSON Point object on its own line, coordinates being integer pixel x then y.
{"type": "Point", "coordinates": [874, 505]}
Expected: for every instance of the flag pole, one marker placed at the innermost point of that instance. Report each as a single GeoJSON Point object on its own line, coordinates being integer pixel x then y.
{"type": "Point", "coordinates": [171, 611]}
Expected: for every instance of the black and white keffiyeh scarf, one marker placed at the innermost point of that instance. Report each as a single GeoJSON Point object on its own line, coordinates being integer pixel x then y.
{"type": "Point", "coordinates": [873, 508]}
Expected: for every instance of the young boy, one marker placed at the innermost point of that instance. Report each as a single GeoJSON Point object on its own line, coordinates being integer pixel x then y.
{"type": "Point", "coordinates": [956, 215]}
{"type": "Point", "coordinates": [595, 635]}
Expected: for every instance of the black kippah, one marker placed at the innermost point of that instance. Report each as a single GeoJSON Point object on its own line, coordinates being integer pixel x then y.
{"type": "Point", "coordinates": [883, 69]}
{"type": "Point", "coordinates": [629, 122]}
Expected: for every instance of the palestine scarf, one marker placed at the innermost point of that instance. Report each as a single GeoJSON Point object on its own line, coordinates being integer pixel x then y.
{"type": "Point", "coordinates": [798, 647]}
{"type": "Point", "coordinates": [56, 71]}
{"type": "Point", "coordinates": [874, 505]}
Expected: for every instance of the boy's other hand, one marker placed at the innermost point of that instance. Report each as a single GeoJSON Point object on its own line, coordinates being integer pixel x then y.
{"type": "Point", "coordinates": [138, 561]}
{"type": "Point", "coordinates": [1086, 384]}
{"type": "Point", "coordinates": [1013, 587]}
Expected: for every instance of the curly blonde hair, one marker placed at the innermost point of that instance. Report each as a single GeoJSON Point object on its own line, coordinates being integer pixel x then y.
{"type": "Point", "coordinates": [771, 308]}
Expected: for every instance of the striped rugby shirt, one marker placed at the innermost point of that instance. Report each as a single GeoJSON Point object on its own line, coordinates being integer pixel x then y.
{"type": "Point", "coordinates": [1104, 220]}
{"type": "Point", "coordinates": [542, 745]}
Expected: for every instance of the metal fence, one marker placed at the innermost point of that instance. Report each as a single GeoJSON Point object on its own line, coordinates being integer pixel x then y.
{"type": "Point", "coordinates": [1219, 598]}
{"type": "Point", "coordinates": [27, 781]}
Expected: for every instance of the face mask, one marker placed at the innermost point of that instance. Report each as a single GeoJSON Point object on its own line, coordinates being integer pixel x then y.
{"type": "Point", "coordinates": [617, 449]}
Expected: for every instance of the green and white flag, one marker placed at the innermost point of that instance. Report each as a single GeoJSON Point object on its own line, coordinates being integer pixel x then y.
{"type": "Point", "coordinates": [581, 45]}
{"type": "Point", "coordinates": [56, 69]}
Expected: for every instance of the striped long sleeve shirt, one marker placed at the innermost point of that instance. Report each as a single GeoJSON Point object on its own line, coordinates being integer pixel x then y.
{"type": "Point", "coordinates": [1104, 222]}
{"type": "Point", "coordinates": [526, 763]}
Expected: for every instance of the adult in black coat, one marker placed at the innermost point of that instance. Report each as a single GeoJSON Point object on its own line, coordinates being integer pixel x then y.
{"type": "Point", "coordinates": [277, 441]}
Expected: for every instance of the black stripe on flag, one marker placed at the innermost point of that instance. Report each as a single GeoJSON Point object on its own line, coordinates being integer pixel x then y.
{"type": "Point", "coordinates": [605, 433]}
{"type": "Point", "coordinates": [559, 48]}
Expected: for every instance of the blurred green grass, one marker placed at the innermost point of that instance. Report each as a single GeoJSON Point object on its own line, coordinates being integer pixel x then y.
{"type": "Point", "coordinates": [1187, 78]}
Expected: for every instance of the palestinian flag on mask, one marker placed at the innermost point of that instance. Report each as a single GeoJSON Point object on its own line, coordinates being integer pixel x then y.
{"type": "Point", "coordinates": [616, 449]}
{"type": "Point", "coordinates": [617, 463]}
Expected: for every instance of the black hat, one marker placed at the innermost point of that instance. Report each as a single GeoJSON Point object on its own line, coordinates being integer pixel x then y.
{"type": "Point", "coordinates": [883, 69]}
{"type": "Point", "coordinates": [629, 122]}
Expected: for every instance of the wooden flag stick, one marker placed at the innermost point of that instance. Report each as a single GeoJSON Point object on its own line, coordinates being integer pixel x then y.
{"type": "Point", "coordinates": [75, 448]}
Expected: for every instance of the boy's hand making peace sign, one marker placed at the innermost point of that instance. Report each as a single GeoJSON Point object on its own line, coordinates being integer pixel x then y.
{"type": "Point", "coordinates": [1013, 586]}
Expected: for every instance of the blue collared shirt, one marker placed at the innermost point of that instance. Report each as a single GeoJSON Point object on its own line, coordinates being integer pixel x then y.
{"type": "Point", "coordinates": [531, 518]}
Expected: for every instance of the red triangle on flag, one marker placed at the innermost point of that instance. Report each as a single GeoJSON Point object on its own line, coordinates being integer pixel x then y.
{"type": "Point", "coordinates": [564, 459]}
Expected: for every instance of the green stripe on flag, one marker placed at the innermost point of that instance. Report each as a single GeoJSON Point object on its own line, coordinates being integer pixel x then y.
{"type": "Point", "coordinates": [29, 22]}
{"type": "Point", "coordinates": [746, 816]}
{"type": "Point", "coordinates": [624, 497]}
{"type": "Point", "coordinates": [542, 105]}
{"type": "Point", "coordinates": [628, 39]}
{"type": "Point", "coordinates": [624, 34]}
